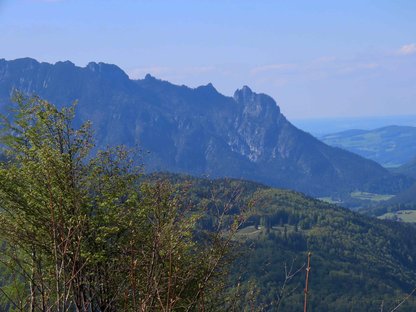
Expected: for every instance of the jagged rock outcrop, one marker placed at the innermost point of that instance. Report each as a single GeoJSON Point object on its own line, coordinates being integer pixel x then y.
{"type": "Point", "coordinates": [197, 131]}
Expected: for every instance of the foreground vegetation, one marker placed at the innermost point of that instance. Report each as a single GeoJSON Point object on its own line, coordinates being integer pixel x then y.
{"type": "Point", "coordinates": [83, 232]}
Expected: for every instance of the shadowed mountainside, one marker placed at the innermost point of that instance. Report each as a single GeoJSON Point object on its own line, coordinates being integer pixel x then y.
{"type": "Point", "coordinates": [198, 131]}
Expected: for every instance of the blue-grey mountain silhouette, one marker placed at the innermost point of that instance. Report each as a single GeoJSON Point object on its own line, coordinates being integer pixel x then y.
{"type": "Point", "coordinates": [198, 131]}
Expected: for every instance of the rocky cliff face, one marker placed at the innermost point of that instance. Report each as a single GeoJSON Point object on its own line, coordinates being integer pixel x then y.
{"type": "Point", "coordinates": [197, 131]}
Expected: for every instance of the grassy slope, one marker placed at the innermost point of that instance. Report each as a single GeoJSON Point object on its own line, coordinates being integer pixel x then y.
{"type": "Point", "coordinates": [401, 215]}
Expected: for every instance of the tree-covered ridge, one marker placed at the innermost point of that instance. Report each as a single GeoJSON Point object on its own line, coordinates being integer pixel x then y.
{"type": "Point", "coordinates": [408, 168]}
{"type": "Point", "coordinates": [358, 263]}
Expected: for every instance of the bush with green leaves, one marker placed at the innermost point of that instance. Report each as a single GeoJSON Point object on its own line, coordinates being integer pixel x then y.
{"type": "Point", "coordinates": [82, 232]}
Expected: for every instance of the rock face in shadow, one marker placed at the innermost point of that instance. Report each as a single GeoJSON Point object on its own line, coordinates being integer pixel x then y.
{"type": "Point", "coordinates": [197, 131]}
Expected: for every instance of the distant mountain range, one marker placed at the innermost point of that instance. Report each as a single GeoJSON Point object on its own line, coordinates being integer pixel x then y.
{"type": "Point", "coordinates": [325, 125]}
{"type": "Point", "coordinates": [198, 131]}
{"type": "Point", "coordinates": [390, 146]}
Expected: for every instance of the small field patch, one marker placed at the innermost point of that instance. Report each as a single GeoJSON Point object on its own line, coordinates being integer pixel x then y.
{"type": "Point", "coordinates": [401, 215]}
{"type": "Point", "coordinates": [371, 196]}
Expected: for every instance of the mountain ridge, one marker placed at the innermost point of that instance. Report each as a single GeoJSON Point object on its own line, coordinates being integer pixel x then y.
{"type": "Point", "coordinates": [198, 130]}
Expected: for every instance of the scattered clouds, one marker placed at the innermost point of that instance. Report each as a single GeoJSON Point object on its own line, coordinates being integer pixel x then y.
{"type": "Point", "coordinates": [369, 66]}
{"type": "Point", "coordinates": [315, 69]}
{"type": "Point", "coordinates": [199, 69]}
{"type": "Point", "coordinates": [47, 1]}
{"type": "Point", "coordinates": [407, 49]}
{"type": "Point", "coordinates": [279, 82]}
{"type": "Point", "coordinates": [358, 67]}
{"type": "Point", "coordinates": [324, 60]}
{"type": "Point", "coordinates": [273, 67]}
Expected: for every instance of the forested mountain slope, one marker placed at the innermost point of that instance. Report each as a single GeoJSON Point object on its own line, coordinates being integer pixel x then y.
{"type": "Point", "coordinates": [408, 169]}
{"type": "Point", "coordinates": [358, 262]}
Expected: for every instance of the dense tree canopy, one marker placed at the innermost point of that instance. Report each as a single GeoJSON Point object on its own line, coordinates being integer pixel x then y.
{"type": "Point", "coordinates": [81, 232]}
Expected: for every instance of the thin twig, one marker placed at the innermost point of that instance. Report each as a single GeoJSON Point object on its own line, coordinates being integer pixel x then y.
{"type": "Point", "coordinates": [404, 300]}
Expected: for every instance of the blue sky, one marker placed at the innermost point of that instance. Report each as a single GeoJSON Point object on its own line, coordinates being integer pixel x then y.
{"type": "Point", "coordinates": [316, 58]}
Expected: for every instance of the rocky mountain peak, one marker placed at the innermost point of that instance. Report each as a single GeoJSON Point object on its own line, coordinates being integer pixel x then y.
{"type": "Point", "coordinates": [243, 95]}
{"type": "Point", "coordinates": [149, 77]}
{"type": "Point", "coordinates": [208, 89]}
{"type": "Point", "coordinates": [210, 86]}
{"type": "Point", "coordinates": [256, 101]}
{"type": "Point", "coordinates": [65, 63]}
{"type": "Point", "coordinates": [108, 70]}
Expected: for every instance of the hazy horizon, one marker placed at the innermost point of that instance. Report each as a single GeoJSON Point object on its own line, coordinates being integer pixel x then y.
{"type": "Point", "coordinates": [328, 125]}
